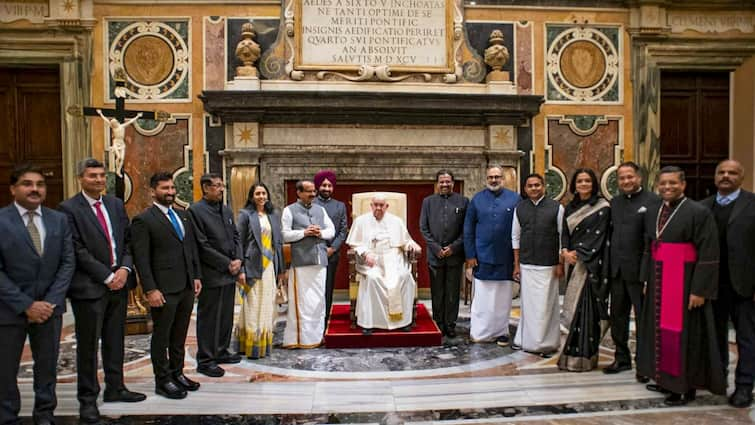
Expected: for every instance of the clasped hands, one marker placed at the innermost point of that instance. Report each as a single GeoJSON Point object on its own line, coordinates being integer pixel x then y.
{"type": "Point", "coordinates": [312, 230]}
{"type": "Point", "coordinates": [39, 311]}
{"type": "Point", "coordinates": [120, 277]}
{"type": "Point", "coordinates": [411, 247]}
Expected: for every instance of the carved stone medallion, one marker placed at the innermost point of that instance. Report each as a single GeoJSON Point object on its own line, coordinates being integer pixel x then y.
{"type": "Point", "coordinates": [148, 60]}
{"type": "Point", "coordinates": [582, 64]}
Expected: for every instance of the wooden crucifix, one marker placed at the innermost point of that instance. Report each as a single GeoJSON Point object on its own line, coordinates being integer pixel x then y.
{"type": "Point", "coordinates": [118, 119]}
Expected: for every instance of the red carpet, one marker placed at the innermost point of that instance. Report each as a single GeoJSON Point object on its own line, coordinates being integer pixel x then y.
{"type": "Point", "coordinates": [340, 334]}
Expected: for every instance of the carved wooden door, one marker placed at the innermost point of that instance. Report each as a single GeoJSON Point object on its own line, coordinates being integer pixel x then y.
{"type": "Point", "coordinates": [695, 126]}
{"type": "Point", "coordinates": [30, 129]}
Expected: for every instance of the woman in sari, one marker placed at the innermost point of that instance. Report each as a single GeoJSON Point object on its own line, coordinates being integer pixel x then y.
{"type": "Point", "coordinates": [585, 312]}
{"type": "Point", "coordinates": [262, 244]}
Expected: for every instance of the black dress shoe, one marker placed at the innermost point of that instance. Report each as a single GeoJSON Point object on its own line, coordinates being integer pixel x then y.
{"type": "Point", "coordinates": [676, 399]}
{"type": "Point", "coordinates": [741, 397]}
{"type": "Point", "coordinates": [616, 368]}
{"type": "Point", "coordinates": [187, 384]}
{"type": "Point", "coordinates": [366, 331]}
{"type": "Point", "coordinates": [657, 388]}
{"type": "Point", "coordinates": [89, 414]}
{"type": "Point", "coordinates": [642, 379]}
{"type": "Point", "coordinates": [123, 395]}
{"type": "Point", "coordinates": [451, 332]}
{"type": "Point", "coordinates": [170, 389]}
{"type": "Point", "coordinates": [44, 422]}
{"type": "Point", "coordinates": [212, 370]}
{"type": "Point", "coordinates": [229, 358]}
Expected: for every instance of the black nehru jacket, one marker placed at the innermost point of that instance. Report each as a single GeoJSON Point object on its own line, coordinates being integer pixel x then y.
{"type": "Point", "coordinates": [539, 240]}
{"type": "Point", "coordinates": [627, 243]}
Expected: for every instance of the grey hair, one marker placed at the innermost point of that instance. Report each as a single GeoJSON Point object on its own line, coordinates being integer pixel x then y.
{"type": "Point", "coordinates": [85, 163]}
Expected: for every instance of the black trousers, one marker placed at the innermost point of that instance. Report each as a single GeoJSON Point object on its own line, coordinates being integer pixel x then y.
{"type": "Point", "coordinates": [330, 284]}
{"type": "Point", "coordinates": [99, 319]}
{"type": "Point", "coordinates": [44, 340]}
{"type": "Point", "coordinates": [625, 295]}
{"type": "Point", "coordinates": [741, 311]}
{"type": "Point", "coordinates": [445, 281]}
{"type": "Point", "coordinates": [170, 326]}
{"type": "Point", "coordinates": [214, 323]}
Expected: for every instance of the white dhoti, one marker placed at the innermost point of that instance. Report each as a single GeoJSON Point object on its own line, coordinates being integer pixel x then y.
{"type": "Point", "coordinates": [305, 321]}
{"type": "Point", "coordinates": [538, 330]}
{"type": "Point", "coordinates": [491, 306]}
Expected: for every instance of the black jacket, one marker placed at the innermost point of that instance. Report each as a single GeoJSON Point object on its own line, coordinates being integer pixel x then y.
{"type": "Point", "coordinates": [162, 260]}
{"type": "Point", "coordinates": [740, 237]}
{"type": "Point", "coordinates": [442, 223]}
{"type": "Point", "coordinates": [91, 245]}
{"type": "Point", "coordinates": [627, 232]}
{"type": "Point", "coordinates": [217, 242]}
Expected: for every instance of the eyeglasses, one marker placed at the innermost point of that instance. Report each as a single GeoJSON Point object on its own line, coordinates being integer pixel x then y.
{"type": "Point", "coordinates": [494, 177]}
{"type": "Point", "coordinates": [217, 185]}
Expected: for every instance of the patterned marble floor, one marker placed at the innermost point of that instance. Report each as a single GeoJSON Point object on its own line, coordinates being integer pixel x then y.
{"type": "Point", "coordinates": [458, 382]}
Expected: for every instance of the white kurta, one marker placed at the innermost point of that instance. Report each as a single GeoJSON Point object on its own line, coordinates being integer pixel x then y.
{"type": "Point", "coordinates": [538, 330]}
{"type": "Point", "coordinates": [305, 320]}
{"type": "Point", "coordinates": [491, 306]}
{"type": "Point", "coordinates": [386, 290]}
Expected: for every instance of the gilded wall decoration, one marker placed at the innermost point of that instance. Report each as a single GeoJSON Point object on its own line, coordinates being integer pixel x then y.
{"type": "Point", "coordinates": [155, 57]}
{"type": "Point", "coordinates": [583, 64]}
{"type": "Point", "coordinates": [266, 32]}
{"type": "Point", "coordinates": [582, 141]}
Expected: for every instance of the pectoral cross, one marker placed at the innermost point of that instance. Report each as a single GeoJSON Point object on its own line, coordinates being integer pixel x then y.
{"type": "Point", "coordinates": [116, 120]}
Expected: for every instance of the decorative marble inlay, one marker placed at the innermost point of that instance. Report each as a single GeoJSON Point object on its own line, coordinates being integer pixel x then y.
{"type": "Point", "coordinates": [167, 147]}
{"type": "Point", "coordinates": [154, 56]}
{"type": "Point", "coordinates": [214, 52]}
{"type": "Point", "coordinates": [583, 64]}
{"type": "Point", "coordinates": [525, 77]}
{"type": "Point", "coordinates": [246, 134]}
{"type": "Point", "coordinates": [582, 141]}
{"type": "Point", "coordinates": [503, 137]}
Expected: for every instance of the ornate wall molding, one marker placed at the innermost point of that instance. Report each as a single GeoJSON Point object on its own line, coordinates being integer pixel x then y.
{"type": "Point", "coordinates": [583, 64]}
{"type": "Point", "coordinates": [155, 56]}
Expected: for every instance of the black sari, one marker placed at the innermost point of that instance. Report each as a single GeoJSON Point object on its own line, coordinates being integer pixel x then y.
{"type": "Point", "coordinates": [585, 309]}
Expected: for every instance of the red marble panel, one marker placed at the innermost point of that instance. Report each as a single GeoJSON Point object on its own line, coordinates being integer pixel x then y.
{"type": "Point", "coordinates": [524, 58]}
{"type": "Point", "coordinates": [214, 54]}
{"type": "Point", "coordinates": [571, 151]}
{"type": "Point", "coordinates": [146, 155]}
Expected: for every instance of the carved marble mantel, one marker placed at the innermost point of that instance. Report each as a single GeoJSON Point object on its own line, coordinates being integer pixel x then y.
{"type": "Point", "coordinates": [367, 135]}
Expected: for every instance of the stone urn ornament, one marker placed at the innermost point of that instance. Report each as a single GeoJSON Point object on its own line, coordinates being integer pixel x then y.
{"type": "Point", "coordinates": [247, 52]}
{"type": "Point", "coordinates": [496, 56]}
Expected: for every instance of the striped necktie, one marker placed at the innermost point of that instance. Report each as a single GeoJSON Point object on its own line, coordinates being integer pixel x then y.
{"type": "Point", "coordinates": [36, 239]}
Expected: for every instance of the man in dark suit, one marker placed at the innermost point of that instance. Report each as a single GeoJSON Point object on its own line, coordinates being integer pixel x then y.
{"type": "Point", "coordinates": [99, 289]}
{"type": "Point", "coordinates": [325, 182]}
{"type": "Point", "coordinates": [36, 266]}
{"type": "Point", "coordinates": [441, 222]}
{"type": "Point", "coordinates": [734, 211]}
{"type": "Point", "coordinates": [166, 258]}
{"type": "Point", "coordinates": [628, 211]}
{"type": "Point", "coordinates": [220, 253]}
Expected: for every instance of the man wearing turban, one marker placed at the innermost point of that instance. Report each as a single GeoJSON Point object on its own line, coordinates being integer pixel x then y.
{"type": "Point", "coordinates": [325, 182]}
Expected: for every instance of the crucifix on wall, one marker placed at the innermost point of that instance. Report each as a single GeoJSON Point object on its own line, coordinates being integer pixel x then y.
{"type": "Point", "coordinates": [118, 119]}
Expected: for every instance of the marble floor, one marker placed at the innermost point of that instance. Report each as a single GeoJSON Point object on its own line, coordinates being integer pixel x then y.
{"type": "Point", "coordinates": [457, 383]}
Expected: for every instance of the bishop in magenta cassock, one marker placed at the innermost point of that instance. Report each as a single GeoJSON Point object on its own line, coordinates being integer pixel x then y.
{"type": "Point", "coordinates": [678, 346]}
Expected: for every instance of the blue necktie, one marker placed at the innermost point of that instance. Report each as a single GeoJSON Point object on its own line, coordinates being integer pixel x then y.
{"type": "Point", "coordinates": [174, 221]}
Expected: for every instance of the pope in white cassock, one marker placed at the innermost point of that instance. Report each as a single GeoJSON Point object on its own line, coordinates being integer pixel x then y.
{"type": "Point", "coordinates": [386, 286]}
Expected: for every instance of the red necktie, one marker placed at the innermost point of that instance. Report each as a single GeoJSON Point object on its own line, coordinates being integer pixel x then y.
{"type": "Point", "coordinates": [103, 223]}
